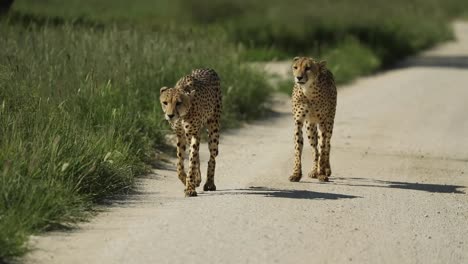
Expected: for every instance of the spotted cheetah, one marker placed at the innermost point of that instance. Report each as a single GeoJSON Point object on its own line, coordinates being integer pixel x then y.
{"type": "Point", "coordinates": [194, 102]}
{"type": "Point", "coordinates": [314, 103]}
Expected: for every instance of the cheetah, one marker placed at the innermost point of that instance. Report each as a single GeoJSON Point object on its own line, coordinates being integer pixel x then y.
{"type": "Point", "coordinates": [194, 103]}
{"type": "Point", "coordinates": [314, 104]}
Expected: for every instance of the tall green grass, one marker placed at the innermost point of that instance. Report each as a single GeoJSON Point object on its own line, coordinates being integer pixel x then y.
{"type": "Point", "coordinates": [390, 28]}
{"type": "Point", "coordinates": [79, 114]}
{"type": "Point", "coordinates": [381, 31]}
{"type": "Point", "coordinates": [280, 29]}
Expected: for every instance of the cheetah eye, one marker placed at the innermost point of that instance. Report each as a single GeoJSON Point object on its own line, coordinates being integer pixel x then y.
{"type": "Point", "coordinates": [295, 67]}
{"type": "Point", "coordinates": [178, 103]}
{"type": "Point", "coordinates": [164, 103]}
{"type": "Point", "coordinates": [307, 68]}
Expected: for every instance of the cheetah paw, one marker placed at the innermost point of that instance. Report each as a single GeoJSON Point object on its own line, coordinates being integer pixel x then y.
{"type": "Point", "coordinates": [295, 177]}
{"type": "Point", "coordinates": [323, 178]}
{"type": "Point", "coordinates": [209, 187]}
{"type": "Point", "coordinates": [190, 193]}
{"type": "Point", "coordinates": [313, 174]}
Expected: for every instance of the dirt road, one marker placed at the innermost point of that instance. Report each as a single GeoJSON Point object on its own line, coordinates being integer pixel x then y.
{"type": "Point", "coordinates": [398, 192]}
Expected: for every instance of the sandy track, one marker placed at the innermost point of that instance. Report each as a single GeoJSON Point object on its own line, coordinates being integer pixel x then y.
{"type": "Point", "coordinates": [398, 192]}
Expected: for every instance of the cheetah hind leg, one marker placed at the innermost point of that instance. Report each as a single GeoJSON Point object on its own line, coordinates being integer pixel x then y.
{"type": "Point", "coordinates": [197, 175]}
{"type": "Point", "coordinates": [298, 144]}
{"type": "Point", "coordinates": [213, 134]}
{"type": "Point", "coordinates": [324, 168]}
{"type": "Point", "coordinates": [181, 145]}
{"type": "Point", "coordinates": [198, 178]}
{"type": "Point", "coordinates": [183, 177]}
{"type": "Point", "coordinates": [194, 167]}
{"type": "Point", "coordinates": [312, 136]}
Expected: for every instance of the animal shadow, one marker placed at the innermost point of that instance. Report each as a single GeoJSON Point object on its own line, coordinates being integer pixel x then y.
{"type": "Point", "coordinates": [426, 187]}
{"type": "Point", "coordinates": [284, 193]}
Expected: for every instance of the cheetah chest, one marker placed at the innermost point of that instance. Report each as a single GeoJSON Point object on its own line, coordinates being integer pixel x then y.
{"type": "Point", "coordinates": [311, 111]}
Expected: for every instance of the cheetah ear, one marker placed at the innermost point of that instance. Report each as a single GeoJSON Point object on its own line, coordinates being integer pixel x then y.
{"type": "Point", "coordinates": [296, 58]}
{"type": "Point", "coordinates": [163, 89]}
{"type": "Point", "coordinates": [322, 63]}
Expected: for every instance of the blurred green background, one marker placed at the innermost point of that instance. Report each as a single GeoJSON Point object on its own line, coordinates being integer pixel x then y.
{"type": "Point", "coordinates": [79, 82]}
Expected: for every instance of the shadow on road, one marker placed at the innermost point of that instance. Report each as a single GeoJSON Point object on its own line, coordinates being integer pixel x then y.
{"type": "Point", "coordinates": [460, 62]}
{"type": "Point", "coordinates": [283, 193]}
{"type": "Point", "coordinates": [427, 187]}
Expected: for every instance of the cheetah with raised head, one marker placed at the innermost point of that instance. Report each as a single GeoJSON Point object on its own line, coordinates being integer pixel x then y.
{"type": "Point", "coordinates": [314, 104]}
{"type": "Point", "coordinates": [194, 102]}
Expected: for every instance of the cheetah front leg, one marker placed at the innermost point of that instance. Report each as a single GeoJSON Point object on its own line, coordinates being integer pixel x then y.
{"type": "Point", "coordinates": [312, 136]}
{"type": "Point", "coordinates": [213, 134]}
{"type": "Point", "coordinates": [324, 169]}
{"type": "Point", "coordinates": [298, 144]}
{"type": "Point", "coordinates": [181, 145]}
{"type": "Point", "coordinates": [194, 165]}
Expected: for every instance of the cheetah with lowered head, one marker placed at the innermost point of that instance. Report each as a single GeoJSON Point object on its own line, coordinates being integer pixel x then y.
{"type": "Point", "coordinates": [314, 104]}
{"type": "Point", "coordinates": [194, 102]}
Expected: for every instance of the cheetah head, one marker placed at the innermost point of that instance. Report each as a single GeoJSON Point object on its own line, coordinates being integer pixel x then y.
{"type": "Point", "coordinates": [175, 102]}
{"type": "Point", "coordinates": [306, 69]}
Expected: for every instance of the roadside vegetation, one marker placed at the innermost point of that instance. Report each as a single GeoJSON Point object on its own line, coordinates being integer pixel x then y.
{"type": "Point", "coordinates": [383, 31]}
{"type": "Point", "coordinates": [79, 83]}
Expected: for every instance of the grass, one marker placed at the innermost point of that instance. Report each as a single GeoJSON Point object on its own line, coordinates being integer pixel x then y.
{"type": "Point", "coordinates": [283, 29]}
{"type": "Point", "coordinates": [377, 33]}
{"type": "Point", "coordinates": [350, 59]}
{"type": "Point", "coordinates": [79, 114]}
